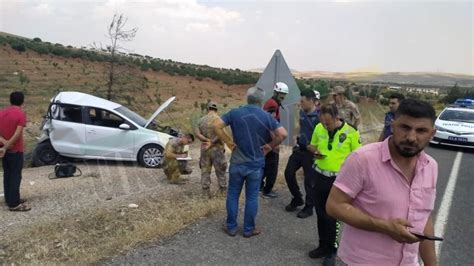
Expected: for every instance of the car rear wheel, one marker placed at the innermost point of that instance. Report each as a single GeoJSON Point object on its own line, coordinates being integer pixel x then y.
{"type": "Point", "coordinates": [45, 154]}
{"type": "Point", "coordinates": [151, 156]}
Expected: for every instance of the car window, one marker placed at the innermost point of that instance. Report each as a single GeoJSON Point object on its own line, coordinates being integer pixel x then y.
{"type": "Point", "coordinates": [104, 118]}
{"type": "Point", "coordinates": [69, 113]}
{"type": "Point", "coordinates": [131, 115]}
{"type": "Point", "coordinates": [457, 115]}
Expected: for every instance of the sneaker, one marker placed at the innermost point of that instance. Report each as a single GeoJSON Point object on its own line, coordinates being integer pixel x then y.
{"type": "Point", "coordinates": [319, 252]}
{"type": "Point", "coordinates": [269, 195]}
{"type": "Point", "coordinates": [305, 212]}
{"type": "Point", "coordinates": [295, 202]}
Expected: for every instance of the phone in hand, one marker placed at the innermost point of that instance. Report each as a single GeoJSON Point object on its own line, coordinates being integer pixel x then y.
{"type": "Point", "coordinates": [427, 237]}
{"type": "Point", "coordinates": [319, 155]}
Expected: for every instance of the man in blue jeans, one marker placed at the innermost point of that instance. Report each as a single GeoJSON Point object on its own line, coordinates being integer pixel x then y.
{"type": "Point", "coordinates": [255, 133]}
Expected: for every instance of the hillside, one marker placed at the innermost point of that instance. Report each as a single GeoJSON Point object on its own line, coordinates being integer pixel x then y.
{"type": "Point", "coordinates": [412, 78]}
{"type": "Point", "coordinates": [41, 76]}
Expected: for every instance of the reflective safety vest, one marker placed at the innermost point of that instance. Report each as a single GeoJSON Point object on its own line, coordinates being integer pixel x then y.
{"type": "Point", "coordinates": [337, 147]}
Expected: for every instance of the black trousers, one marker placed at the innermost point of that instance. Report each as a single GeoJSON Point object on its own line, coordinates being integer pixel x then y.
{"type": "Point", "coordinates": [270, 171]}
{"type": "Point", "coordinates": [12, 167]}
{"type": "Point", "coordinates": [327, 226]}
{"type": "Point", "coordinates": [297, 160]}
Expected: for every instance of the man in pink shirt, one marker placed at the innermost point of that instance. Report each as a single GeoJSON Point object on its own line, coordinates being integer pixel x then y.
{"type": "Point", "coordinates": [12, 122]}
{"type": "Point", "coordinates": [387, 190]}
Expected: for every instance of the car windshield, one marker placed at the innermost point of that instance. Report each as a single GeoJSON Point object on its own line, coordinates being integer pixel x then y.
{"type": "Point", "coordinates": [131, 115]}
{"type": "Point", "coordinates": [457, 115]}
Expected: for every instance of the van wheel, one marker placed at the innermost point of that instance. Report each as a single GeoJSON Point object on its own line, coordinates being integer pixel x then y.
{"type": "Point", "coordinates": [45, 154]}
{"type": "Point", "coordinates": [151, 156]}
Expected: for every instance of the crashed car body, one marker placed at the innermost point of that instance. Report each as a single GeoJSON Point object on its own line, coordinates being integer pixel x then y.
{"type": "Point", "coordinates": [79, 125]}
{"type": "Point", "coordinates": [455, 127]}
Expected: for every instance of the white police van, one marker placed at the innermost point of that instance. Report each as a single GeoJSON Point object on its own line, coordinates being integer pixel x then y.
{"type": "Point", "coordinates": [455, 125]}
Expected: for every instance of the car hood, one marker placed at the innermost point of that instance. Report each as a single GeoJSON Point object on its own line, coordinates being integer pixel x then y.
{"type": "Point", "coordinates": [456, 127]}
{"type": "Point", "coordinates": [159, 110]}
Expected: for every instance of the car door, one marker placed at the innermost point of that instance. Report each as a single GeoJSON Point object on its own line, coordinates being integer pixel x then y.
{"type": "Point", "coordinates": [67, 134]}
{"type": "Point", "coordinates": [104, 138]}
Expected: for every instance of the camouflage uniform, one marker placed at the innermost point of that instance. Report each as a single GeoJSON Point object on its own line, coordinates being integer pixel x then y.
{"type": "Point", "coordinates": [214, 155]}
{"type": "Point", "coordinates": [348, 112]}
{"type": "Point", "coordinates": [170, 165]}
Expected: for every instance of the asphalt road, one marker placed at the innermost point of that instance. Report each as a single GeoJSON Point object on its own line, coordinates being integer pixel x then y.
{"type": "Point", "coordinates": [287, 239]}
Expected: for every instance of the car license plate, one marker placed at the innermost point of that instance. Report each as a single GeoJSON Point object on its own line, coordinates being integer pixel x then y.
{"type": "Point", "coordinates": [460, 139]}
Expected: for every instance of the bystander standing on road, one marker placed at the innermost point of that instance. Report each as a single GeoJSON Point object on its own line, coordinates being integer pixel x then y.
{"type": "Point", "coordinates": [386, 190]}
{"type": "Point", "coordinates": [270, 171]}
{"type": "Point", "coordinates": [332, 141]}
{"type": "Point", "coordinates": [212, 151]}
{"type": "Point", "coordinates": [301, 157]}
{"type": "Point", "coordinates": [255, 133]}
{"type": "Point", "coordinates": [394, 102]}
{"type": "Point", "coordinates": [13, 120]}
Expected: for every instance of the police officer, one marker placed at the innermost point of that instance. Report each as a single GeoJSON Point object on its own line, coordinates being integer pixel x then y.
{"type": "Point", "coordinates": [212, 151]}
{"type": "Point", "coordinates": [348, 110]}
{"type": "Point", "coordinates": [301, 157]}
{"type": "Point", "coordinates": [175, 149]}
{"type": "Point", "coordinates": [332, 141]}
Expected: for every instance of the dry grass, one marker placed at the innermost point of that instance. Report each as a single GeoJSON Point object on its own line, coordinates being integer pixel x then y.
{"type": "Point", "coordinates": [99, 233]}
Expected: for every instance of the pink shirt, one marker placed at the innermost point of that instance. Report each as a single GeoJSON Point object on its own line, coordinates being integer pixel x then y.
{"type": "Point", "coordinates": [378, 188]}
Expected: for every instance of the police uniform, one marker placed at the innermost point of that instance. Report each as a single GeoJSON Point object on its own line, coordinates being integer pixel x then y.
{"type": "Point", "coordinates": [170, 165]}
{"type": "Point", "coordinates": [212, 156]}
{"type": "Point", "coordinates": [336, 146]}
{"type": "Point", "coordinates": [348, 112]}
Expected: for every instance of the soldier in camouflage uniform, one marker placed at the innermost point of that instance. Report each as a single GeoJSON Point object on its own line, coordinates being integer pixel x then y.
{"type": "Point", "coordinates": [173, 150]}
{"type": "Point", "coordinates": [212, 150]}
{"type": "Point", "coordinates": [348, 111]}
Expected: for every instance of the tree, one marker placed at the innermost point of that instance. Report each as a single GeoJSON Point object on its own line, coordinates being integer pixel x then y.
{"type": "Point", "coordinates": [116, 33]}
{"type": "Point", "coordinates": [453, 94]}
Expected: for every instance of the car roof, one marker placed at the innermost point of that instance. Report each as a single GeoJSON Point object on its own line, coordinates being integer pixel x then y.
{"type": "Point", "coordinates": [84, 99]}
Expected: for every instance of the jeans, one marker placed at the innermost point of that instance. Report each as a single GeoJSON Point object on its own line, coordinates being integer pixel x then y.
{"type": "Point", "coordinates": [297, 160]}
{"type": "Point", "coordinates": [12, 166]}
{"type": "Point", "coordinates": [238, 175]}
{"type": "Point", "coordinates": [327, 226]}
{"type": "Point", "coordinates": [270, 171]}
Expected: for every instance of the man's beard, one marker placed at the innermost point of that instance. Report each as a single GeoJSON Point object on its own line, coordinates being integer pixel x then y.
{"type": "Point", "coordinates": [408, 153]}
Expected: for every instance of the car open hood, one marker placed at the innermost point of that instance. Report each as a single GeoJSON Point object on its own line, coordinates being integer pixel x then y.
{"type": "Point", "coordinates": [161, 108]}
{"type": "Point", "coordinates": [457, 127]}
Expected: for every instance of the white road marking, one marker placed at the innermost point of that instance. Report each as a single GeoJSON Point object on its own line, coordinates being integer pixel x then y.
{"type": "Point", "coordinates": [443, 212]}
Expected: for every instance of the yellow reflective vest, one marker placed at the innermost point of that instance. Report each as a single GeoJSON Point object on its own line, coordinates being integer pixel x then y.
{"type": "Point", "coordinates": [345, 140]}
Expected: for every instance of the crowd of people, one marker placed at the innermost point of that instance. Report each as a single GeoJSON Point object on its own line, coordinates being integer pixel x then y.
{"type": "Point", "coordinates": [369, 200]}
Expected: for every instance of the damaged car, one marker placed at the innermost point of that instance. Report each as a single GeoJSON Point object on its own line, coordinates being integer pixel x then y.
{"type": "Point", "coordinates": [83, 126]}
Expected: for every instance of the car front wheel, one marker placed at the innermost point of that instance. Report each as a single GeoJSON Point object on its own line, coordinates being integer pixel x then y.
{"type": "Point", "coordinates": [151, 156]}
{"type": "Point", "coordinates": [45, 154]}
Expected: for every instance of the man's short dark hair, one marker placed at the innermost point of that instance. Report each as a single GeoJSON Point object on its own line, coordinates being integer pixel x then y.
{"type": "Point", "coordinates": [189, 136]}
{"type": "Point", "coordinates": [330, 109]}
{"type": "Point", "coordinates": [17, 98]}
{"type": "Point", "coordinates": [416, 108]}
{"type": "Point", "coordinates": [308, 94]}
{"type": "Point", "coordinates": [400, 97]}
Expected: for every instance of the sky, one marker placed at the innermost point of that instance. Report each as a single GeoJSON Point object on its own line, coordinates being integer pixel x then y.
{"type": "Point", "coordinates": [338, 36]}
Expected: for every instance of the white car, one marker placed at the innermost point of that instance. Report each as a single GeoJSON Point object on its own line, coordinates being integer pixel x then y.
{"type": "Point", "coordinates": [455, 127]}
{"type": "Point", "coordinates": [80, 125]}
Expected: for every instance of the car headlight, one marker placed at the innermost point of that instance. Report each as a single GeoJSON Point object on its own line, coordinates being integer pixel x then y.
{"type": "Point", "coordinates": [440, 128]}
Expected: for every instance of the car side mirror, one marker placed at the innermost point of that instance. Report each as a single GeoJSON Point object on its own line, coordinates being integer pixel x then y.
{"type": "Point", "coordinates": [124, 126]}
